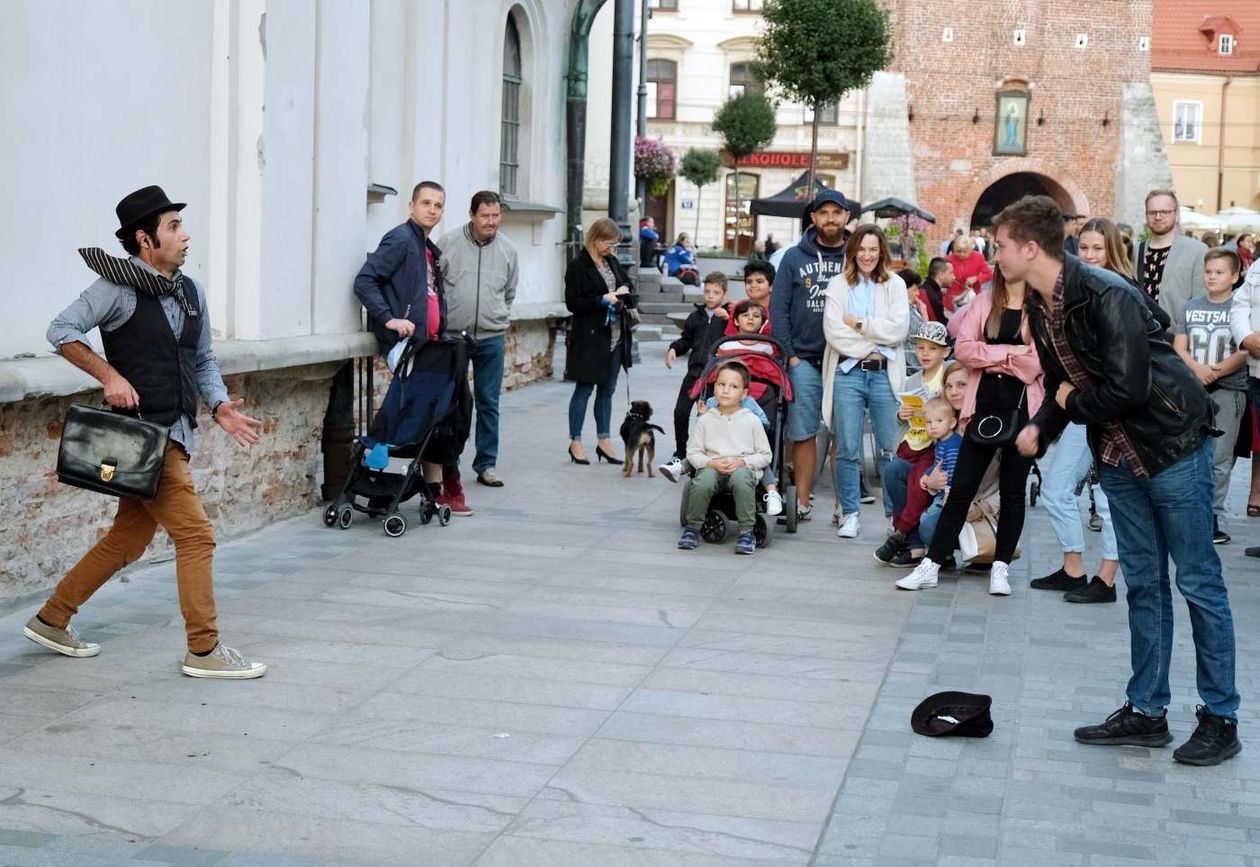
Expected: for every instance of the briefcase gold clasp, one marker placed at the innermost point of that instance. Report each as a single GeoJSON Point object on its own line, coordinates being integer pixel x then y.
{"type": "Point", "coordinates": [107, 472]}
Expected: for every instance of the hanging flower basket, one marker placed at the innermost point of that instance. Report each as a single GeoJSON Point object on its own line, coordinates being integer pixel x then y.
{"type": "Point", "coordinates": [655, 162]}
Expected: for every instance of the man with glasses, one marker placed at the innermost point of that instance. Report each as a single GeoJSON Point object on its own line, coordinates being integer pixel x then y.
{"type": "Point", "coordinates": [1169, 266]}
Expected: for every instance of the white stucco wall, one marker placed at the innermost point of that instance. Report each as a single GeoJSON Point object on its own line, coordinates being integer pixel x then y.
{"type": "Point", "coordinates": [270, 118]}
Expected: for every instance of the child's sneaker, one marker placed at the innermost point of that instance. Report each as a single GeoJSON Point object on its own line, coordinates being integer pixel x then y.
{"type": "Point", "coordinates": [774, 503]}
{"type": "Point", "coordinates": [922, 578]}
{"type": "Point", "coordinates": [746, 543]}
{"type": "Point", "coordinates": [671, 469]}
{"type": "Point", "coordinates": [887, 552]}
{"type": "Point", "coordinates": [689, 540]}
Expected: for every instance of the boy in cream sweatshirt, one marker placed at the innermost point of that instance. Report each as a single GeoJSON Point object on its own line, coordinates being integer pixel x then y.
{"type": "Point", "coordinates": [729, 449]}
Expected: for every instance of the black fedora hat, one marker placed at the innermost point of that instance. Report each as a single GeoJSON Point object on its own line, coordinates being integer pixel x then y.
{"type": "Point", "coordinates": [963, 714]}
{"type": "Point", "coordinates": [139, 206]}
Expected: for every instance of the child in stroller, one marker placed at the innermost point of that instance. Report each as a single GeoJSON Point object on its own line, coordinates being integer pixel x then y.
{"type": "Point", "coordinates": [773, 390]}
{"type": "Point", "coordinates": [425, 419]}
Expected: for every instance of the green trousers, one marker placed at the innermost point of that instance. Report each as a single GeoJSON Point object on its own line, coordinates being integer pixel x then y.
{"type": "Point", "coordinates": [743, 487]}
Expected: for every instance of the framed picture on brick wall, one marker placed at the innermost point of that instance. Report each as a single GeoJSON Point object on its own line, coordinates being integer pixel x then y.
{"type": "Point", "coordinates": [1010, 132]}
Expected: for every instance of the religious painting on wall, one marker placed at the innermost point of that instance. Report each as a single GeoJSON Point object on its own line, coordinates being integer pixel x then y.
{"type": "Point", "coordinates": [1010, 135]}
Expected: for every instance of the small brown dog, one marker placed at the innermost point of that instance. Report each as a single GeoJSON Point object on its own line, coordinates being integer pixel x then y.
{"type": "Point", "coordinates": [637, 434]}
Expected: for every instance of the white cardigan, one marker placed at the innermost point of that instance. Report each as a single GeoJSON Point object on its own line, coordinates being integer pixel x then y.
{"type": "Point", "coordinates": [889, 326]}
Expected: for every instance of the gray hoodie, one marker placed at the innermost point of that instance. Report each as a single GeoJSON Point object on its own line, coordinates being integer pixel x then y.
{"type": "Point", "coordinates": [480, 281]}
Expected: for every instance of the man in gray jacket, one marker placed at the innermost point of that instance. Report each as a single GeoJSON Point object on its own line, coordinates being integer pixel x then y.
{"type": "Point", "coordinates": [479, 271]}
{"type": "Point", "coordinates": [1169, 266]}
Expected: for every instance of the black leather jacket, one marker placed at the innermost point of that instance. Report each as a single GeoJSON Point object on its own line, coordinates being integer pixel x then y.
{"type": "Point", "coordinates": [1142, 382]}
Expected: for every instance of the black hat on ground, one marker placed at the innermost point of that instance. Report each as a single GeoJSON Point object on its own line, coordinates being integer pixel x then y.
{"type": "Point", "coordinates": [962, 714]}
{"type": "Point", "coordinates": [139, 206]}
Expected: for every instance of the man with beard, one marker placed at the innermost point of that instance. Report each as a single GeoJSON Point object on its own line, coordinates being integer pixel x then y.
{"type": "Point", "coordinates": [1169, 266]}
{"type": "Point", "coordinates": [796, 321]}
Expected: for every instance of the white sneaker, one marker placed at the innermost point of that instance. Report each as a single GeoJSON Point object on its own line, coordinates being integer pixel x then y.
{"type": "Point", "coordinates": [998, 585]}
{"type": "Point", "coordinates": [774, 503]}
{"type": "Point", "coordinates": [222, 662]}
{"type": "Point", "coordinates": [671, 469]}
{"type": "Point", "coordinates": [850, 527]}
{"type": "Point", "coordinates": [922, 578]}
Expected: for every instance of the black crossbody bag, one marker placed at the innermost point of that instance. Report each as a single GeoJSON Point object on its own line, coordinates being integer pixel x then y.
{"type": "Point", "coordinates": [996, 429]}
{"type": "Point", "coordinates": [111, 453]}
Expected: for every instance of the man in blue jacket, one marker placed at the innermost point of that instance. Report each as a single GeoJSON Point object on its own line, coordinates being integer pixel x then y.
{"type": "Point", "coordinates": [400, 286]}
{"type": "Point", "coordinates": [796, 321]}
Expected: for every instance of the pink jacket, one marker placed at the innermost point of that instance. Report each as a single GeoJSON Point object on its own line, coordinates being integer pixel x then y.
{"type": "Point", "coordinates": [978, 356]}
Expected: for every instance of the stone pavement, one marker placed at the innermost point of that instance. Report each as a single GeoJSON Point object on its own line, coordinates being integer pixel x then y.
{"type": "Point", "coordinates": [552, 682]}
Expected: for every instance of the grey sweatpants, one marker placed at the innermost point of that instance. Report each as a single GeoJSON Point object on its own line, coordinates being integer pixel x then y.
{"type": "Point", "coordinates": [1230, 406]}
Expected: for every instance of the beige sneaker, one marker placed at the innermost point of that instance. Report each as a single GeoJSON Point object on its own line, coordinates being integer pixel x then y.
{"type": "Point", "coordinates": [64, 641]}
{"type": "Point", "coordinates": [222, 662]}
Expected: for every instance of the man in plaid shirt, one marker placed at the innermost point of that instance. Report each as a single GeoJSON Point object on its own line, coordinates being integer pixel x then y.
{"type": "Point", "coordinates": [1150, 428]}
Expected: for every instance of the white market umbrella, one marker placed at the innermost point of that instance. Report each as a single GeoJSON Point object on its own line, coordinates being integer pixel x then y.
{"type": "Point", "coordinates": [1194, 221]}
{"type": "Point", "coordinates": [1239, 219]}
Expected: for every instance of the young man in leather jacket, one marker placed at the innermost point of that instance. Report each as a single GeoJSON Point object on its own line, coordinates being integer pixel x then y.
{"type": "Point", "coordinates": [1149, 422]}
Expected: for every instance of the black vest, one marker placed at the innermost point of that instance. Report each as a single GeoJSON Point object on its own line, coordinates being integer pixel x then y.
{"type": "Point", "coordinates": [161, 369]}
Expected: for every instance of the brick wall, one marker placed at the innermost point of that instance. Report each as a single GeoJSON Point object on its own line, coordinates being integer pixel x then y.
{"type": "Point", "coordinates": [1073, 89]}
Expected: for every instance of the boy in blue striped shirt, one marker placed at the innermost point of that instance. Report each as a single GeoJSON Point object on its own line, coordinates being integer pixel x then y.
{"type": "Point", "coordinates": [942, 423]}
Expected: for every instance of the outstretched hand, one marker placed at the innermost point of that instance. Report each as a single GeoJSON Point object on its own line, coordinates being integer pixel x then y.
{"type": "Point", "coordinates": [240, 427]}
{"type": "Point", "coordinates": [1027, 441]}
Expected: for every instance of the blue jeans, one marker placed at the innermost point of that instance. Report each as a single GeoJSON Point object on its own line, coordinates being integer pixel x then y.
{"type": "Point", "coordinates": [855, 393]}
{"type": "Point", "coordinates": [894, 478]}
{"type": "Point", "coordinates": [487, 365]}
{"type": "Point", "coordinates": [603, 401]}
{"type": "Point", "coordinates": [1170, 515]}
{"type": "Point", "coordinates": [922, 537]}
{"type": "Point", "coordinates": [1068, 465]}
{"type": "Point", "coordinates": [805, 410]}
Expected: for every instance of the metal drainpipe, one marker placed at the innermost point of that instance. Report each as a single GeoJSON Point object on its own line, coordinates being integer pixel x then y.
{"type": "Point", "coordinates": [861, 136]}
{"type": "Point", "coordinates": [640, 184]}
{"type": "Point", "coordinates": [575, 120]}
{"type": "Point", "coordinates": [620, 148]}
{"type": "Point", "coordinates": [1220, 146]}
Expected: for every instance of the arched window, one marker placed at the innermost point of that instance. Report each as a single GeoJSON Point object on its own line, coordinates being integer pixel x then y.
{"type": "Point", "coordinates": [662, 78]}
{"type": "Point", "coordinates": [509, 149]}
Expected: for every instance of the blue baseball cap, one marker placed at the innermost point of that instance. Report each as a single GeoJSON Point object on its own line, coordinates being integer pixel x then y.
{"type": "Point", "coordinates": [834, 196]}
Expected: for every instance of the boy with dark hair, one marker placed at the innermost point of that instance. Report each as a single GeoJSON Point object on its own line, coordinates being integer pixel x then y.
{"type": "Point", "coordinates": [1203, 339]}
{"type": "Point", "coordinates": [729, 450]}
{"type": "Point", "coordinates": [703, 327]}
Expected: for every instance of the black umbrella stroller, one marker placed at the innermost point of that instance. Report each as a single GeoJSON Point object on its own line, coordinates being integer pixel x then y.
{"type": "Point", "coordinates": [426, 416]}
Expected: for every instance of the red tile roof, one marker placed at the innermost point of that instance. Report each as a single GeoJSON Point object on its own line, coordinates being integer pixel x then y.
{"type": "Point", "coordinates": [1184, 36]}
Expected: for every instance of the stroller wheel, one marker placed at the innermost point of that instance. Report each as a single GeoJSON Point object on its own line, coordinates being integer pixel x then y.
{"type": "Point", "coordinates": [444, 515]}
{"type": "Point", "coordinates": [395, 525]}
{"type": "Point", "coordinates": [330, 516]}
{"type": "Point", "coordinates": [1095, 523]}
{"type": "Point", "coordinates": [426, 514]}
{"type": "Point", "coordinates": [713, 530]}
{"type": "Point", "coordinates": [1034, 491]}
{"type": "Point", "coordinates": [790, 507]}
{"type": "Point", "coordinates": [345, 517]}
{"type": "Point", "coordinates": [761, 532]}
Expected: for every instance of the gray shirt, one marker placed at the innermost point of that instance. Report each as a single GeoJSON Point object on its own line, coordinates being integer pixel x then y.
{"type": "Point", "coordinates": [107, 306]}
{"type": "Point", "coordinates": [1205, 325]}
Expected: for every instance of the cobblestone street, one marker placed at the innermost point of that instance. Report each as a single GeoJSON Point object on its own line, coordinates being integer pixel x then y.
{"type": "Point", "coordinates": [552, 682]}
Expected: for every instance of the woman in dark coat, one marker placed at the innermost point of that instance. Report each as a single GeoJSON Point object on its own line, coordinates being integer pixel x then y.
{"type": "Point", "coordinates": [598, 294]}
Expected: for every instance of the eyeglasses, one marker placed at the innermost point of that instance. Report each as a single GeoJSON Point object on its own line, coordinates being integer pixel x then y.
{"type": "Point", "coordinates": [1160, 213]}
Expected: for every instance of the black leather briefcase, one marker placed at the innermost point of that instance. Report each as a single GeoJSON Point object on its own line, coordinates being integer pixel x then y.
{"type": "Point", "coordinates": [111, 453]}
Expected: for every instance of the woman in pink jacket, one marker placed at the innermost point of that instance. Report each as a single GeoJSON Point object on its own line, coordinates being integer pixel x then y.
{"type": "Point", "coordinates": [1004, 391]}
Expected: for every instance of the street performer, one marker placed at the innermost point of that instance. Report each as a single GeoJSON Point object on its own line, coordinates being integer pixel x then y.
{"type": "Point", "coordinates": [155, 328]}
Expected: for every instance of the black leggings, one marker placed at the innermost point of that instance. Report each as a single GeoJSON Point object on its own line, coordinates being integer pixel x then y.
{"type": "Point", "coordinates": [682, 415]}
{"type": "Point", "coordinates": [973, 461]}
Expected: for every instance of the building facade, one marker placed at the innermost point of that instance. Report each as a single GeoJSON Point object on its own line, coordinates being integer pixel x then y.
{"type": "Point", "coordinates": [294, 130]}
{"type": "Point", "coordinates": [1205, 70]}
{"type": "Point", "coordinates": [699, 54]}
{"type": "Point", "coordinates": [1010, 99]}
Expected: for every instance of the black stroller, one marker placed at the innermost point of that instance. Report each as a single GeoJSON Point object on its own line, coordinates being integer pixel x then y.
{"type": "Point", "coordinates": [426, 416]}
{"type": "Point", "coordinates": [773, 391]}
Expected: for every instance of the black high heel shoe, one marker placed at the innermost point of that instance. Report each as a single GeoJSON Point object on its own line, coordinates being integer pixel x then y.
{"type": "Point", "coordinates": [583, 461]}
{"type": "Point", "coordinates": [600, 454]}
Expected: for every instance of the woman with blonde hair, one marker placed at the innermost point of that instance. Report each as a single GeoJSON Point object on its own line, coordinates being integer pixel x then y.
{"type": "Point", "coordinates": [866, 316]}
{"type": "Point", "coordinates": [598, 294]}
{"type": "Point", "coordinates": [971, 272]}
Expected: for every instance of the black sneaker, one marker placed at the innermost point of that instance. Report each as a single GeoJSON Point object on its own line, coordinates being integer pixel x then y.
{"type": "Point", "coordinates": [1219, 536]}
{"type": "Point", "coordinates": [1127, 727]}
{"type": "Point", "coordinates": [1095, 591]}
{"type": "Point", "coordinates": [1214, 741]}
{"type": "Point", "coordinates": [887, 551]}
{"type": "Point", "coordinates": [1058, 580]}
{"type": "Point", "coordinates": [904, 559]}
{"type": "Point", "coordinates": [1253, 551]}
{"type": "Point", "coordinates": [689, 540]}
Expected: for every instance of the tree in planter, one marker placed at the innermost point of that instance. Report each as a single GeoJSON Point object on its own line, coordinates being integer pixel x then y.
{"type": "Point", "coordinates": [746, 125]}
{"type": "Point", "coordinates": [701, 167]}
{"type": "Point", "coordinates": [816, 51]}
